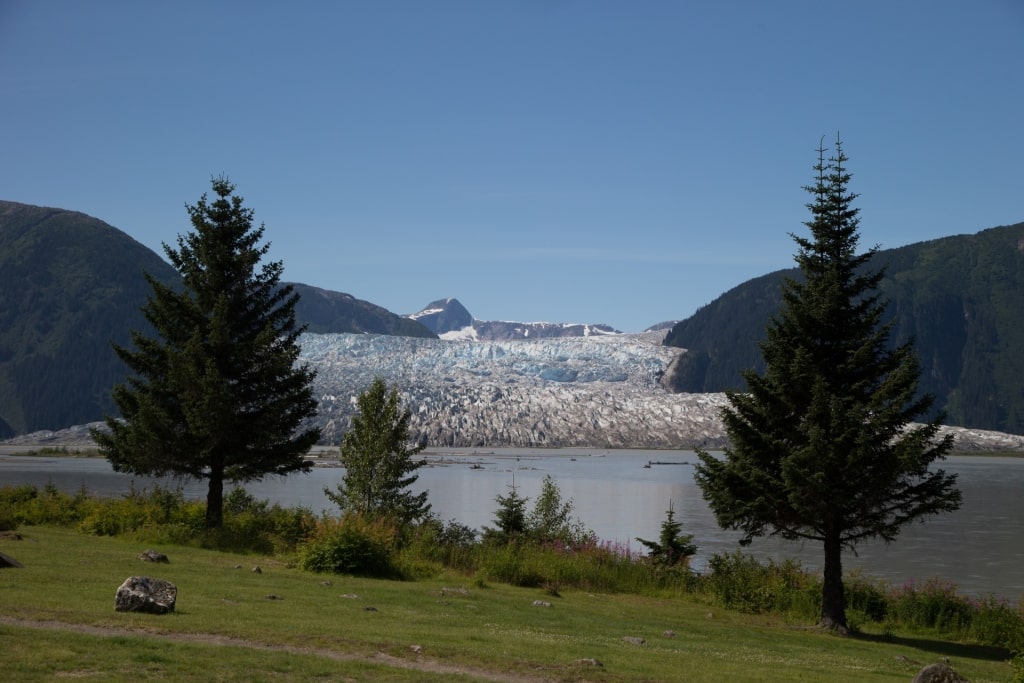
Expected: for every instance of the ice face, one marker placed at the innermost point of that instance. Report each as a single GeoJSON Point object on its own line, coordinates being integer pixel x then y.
{"type": "Point", "coordinates": [599, 391]}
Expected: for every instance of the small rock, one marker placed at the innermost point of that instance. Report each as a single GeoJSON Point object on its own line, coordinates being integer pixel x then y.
{"type": "Point", "coordinates": [938, 673]}
{"type": "Point", "coordinates": [541, 603]}
{"type": "Point", "coordinates": [634, 640]}
{"type": "Point", "coordinates": [238, 566]}
{"type": "Point", "coordinates": [416, 648]}
{"type": "Point", "coordinates": [668, 634]}
{"type": "Point", "coordinates": [257, 570]}
{"type": "Point", "coordinates": [588, 661]}
{"type": "Point", "coordinates": [10, 535]}
{"type": "Point", "coordinates": [142, 594]}
{"type": "Point", "coordinates": [153, 556]}
{"type": "Point", "coordinates": [350, 596]}
{"type": "Point", "coordinates": [326, 583]}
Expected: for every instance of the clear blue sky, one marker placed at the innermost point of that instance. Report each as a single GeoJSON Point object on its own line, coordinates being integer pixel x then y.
{"type": "Point", "coordinates": [569, 161]}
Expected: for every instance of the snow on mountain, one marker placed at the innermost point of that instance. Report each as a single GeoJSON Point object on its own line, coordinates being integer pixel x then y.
{"type": "Point", "coordinates": [449, 319]}
{"type": "Point", "coordinates": [596, 391]}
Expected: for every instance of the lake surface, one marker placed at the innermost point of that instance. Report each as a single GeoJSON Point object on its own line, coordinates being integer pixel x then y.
{"type": "Point", "coordinates": [980, 547]}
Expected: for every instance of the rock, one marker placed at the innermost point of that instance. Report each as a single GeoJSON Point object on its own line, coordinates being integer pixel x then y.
{"type": "Point", "coordinates": [938, 673]}
{"type": "Point", "coordinates": [257, 570]}
{"type": "Point", "coordinates": [153, 556]}
{"type": "Point", "coordinates": [416, 648]}
{"type": "Point", "coordinates": [668, 634]}
{"type": "Point", "coordinates": [589, 661]}
{"type": "Point", "coordinates": [8, 561]}
{"type": "Point", "coordinates": [10, 535]}
{"type": "Point", "coordinates": [143, 594]}
{"type": "Point", "coordinates": [634, 640]}
{"type": "Point", "coordinates": [541, 603]}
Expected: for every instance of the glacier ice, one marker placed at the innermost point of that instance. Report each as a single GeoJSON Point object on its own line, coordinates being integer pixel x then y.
{"type": "Point", "coordinates": [596, 391]}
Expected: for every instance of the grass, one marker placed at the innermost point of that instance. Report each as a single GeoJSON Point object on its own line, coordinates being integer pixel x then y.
{"type": "Point", "coordinates": [285, 624]}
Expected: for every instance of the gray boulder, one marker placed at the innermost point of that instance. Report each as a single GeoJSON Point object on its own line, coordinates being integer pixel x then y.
{"type": "Point", "coordinates": [153, 556]}
{"type": "Point", "coordinates": [143, 594]}
{"type": "Point", "coordinates": [938, 673]}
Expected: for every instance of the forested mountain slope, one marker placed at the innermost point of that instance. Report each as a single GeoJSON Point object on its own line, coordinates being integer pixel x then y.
{"type": "Point", "coordinates": [71, 284]}
{"type": "Point", "coordinates": [960, 298]}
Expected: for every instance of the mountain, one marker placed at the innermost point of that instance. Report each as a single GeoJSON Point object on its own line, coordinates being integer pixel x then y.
{"type": "Point", "coordinates": [70, 285]}
{"type": "Point", "coordinates": [960, 298]}
{"type": "Point", "coordinates": [449, 319]}
{"type": "Point", "coordinates": [324, 311]}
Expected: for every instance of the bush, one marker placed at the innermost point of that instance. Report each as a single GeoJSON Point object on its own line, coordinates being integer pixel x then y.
{"type": "Point", "coordinates": [351, 545]}
{"type": "Point", "coordinates": [740, 582]}
{"type": "Point", "coordinates": [932, 605]}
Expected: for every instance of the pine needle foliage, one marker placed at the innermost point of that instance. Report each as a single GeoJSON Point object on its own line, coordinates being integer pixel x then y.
{"type": "Point", "coordinates": [379, 459]}
{"type": "Point", "coordinates": [826, 445]}
{"type": "Point", "coordinates": [217, 394]}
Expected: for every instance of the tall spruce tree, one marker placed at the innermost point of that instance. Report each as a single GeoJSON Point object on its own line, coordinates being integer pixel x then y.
{"type": "Point", "coordinates": [378, 456]}
{"type": "Point", "coordinates": [217, 395]}
{"type": "Point", "coordinates": [826, 444]}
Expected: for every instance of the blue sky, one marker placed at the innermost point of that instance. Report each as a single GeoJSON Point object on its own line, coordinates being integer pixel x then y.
{"type": "Point", "coordinates": [567, 161]}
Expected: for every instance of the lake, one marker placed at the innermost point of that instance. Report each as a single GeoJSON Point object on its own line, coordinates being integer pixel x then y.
{"type": "Point", "coordinates": [980, 547]}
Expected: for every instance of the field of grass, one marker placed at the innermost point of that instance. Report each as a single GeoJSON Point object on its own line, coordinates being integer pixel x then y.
{"type": "Point", "coordinates": [57, 619]}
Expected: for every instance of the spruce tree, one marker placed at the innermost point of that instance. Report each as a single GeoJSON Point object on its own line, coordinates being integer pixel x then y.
{"type": "Point", "coordinates": [216, 395]}
{"type": "Point", "coordinates": [827, 445]}
{"type": "Point", "coordinates": [378, 456]}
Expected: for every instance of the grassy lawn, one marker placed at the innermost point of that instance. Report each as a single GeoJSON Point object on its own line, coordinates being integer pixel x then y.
{"type": "Point", "coordinates": [57, 619]}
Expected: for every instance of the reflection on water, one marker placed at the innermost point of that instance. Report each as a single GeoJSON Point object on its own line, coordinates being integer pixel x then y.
{"type": "Point", "coordinates": [980, 547]}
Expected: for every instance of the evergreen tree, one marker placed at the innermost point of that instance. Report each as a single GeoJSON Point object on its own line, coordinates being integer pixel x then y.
{"type": "Point", "coordinates": [378, 457]}
{"type": "Point", "coordinates": [672, 546]}
{"type": "Point", "coordinates": [217, 394]}
{"type": "Point", "coordinates": [822, 444]}
{"type": "Point", "coordinates": [510, 517]}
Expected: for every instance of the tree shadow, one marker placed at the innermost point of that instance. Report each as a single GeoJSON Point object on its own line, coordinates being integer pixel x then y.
{"type": "Point", "coordinates": [942, 648]}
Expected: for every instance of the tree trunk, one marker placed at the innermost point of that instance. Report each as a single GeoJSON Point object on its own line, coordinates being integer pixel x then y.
{"type": "Point", "coordinates": [833, 596]}
{"type": "Point", "coordinates": [215, 499]}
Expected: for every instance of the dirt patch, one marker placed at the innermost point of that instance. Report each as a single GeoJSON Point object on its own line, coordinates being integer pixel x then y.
{"type": "Point", "coordinates": [420, 663]}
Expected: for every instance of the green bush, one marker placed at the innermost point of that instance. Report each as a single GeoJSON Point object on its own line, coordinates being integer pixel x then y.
{"type": "Point", "coordinates": [932, 605]}
{"type": "Point", "coordinates": [351, 545]}
{"type": "Point", "coordinates": [738, 581]}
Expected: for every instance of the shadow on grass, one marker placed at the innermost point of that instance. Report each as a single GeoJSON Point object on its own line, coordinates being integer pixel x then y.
{"type": "Point", "coordinates": [941, 647]}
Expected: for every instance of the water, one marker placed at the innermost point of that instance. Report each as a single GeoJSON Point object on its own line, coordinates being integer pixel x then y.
{"type": "Point", "coordinates": [980, 547]}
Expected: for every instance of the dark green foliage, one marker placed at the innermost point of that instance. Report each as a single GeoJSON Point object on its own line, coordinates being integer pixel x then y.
{"type": "Point", "coordinates": [378, 456]}
{"type": "Point", "coordinates": [673, 547]}
{"type": "Point", "coordinates": [216, 395]}
{"type": "Point", "coordinates": [352, 545]}
{"type": "Point", "coordinates": [960, 298]}
{"type": "Point", "coordinates": [823, 446]}
{"type": "Point", "coordinates": [509, 518]}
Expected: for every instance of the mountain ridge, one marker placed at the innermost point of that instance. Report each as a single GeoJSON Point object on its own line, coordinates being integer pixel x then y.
{"type": "Point", "coordinates": [449, 319]}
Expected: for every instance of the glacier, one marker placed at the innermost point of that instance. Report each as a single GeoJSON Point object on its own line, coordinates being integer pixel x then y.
{"type": "Point", "coordinates": [600, 391]}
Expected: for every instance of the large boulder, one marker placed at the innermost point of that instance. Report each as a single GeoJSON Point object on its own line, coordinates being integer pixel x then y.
{"type": "Point", "coordinates": [938, 673]}
{"type": "Point", "coordinates": [143, 594]}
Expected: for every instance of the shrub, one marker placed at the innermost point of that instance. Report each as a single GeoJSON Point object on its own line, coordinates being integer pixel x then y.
{"type": "Point", "coordinates": [351, 545]}
{"type": "Point", "coordinates": [934, 605]}
{"type": "Point", "coordinates": [738, 581]}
